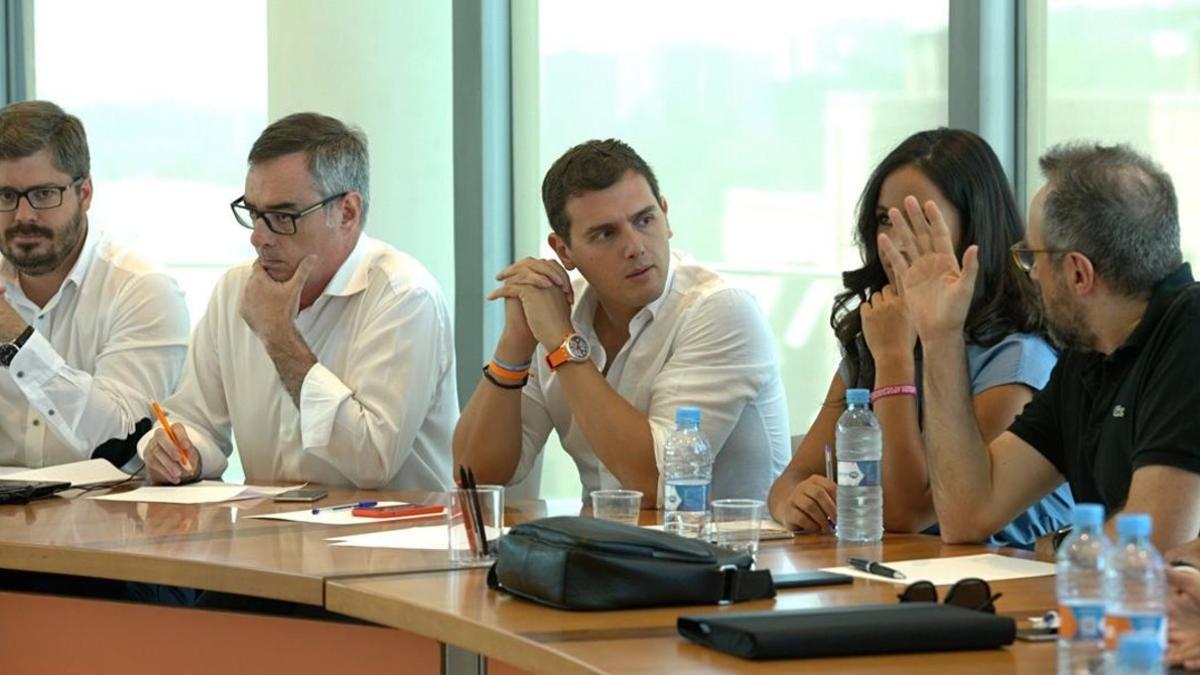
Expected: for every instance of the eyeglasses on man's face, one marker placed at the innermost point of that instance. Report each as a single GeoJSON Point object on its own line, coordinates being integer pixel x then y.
{"type": "Point", "coordinates": [279, 222]}
{"type": "Point", "coordinates": [1023, 256]}
{"type": "Point", "coordinates": [40, 197]}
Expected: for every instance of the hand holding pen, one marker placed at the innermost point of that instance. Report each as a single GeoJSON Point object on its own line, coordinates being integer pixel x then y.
{"type": "Point", "coordinates": [169, 455]}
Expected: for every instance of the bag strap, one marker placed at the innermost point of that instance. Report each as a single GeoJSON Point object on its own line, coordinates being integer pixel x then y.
{"type": "Point", "coordinates": [731, 583]}
{"type": "Point", "coordinates": [492, 582]}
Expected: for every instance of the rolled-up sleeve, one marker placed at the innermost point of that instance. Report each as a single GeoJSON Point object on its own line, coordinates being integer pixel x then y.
{"type": "Point", "coordinates": [140, 361]}
{"type": "Point", "coordinates": [365, 421]}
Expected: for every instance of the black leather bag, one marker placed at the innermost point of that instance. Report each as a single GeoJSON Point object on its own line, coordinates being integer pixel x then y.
{"type": "Point", "coordinates": [585, 563]}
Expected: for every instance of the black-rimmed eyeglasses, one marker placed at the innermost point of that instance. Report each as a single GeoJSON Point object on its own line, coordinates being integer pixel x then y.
{"type": "Point", "coordinates": [41, 197]}
{"type": "Point", "coordinates": [1023, 256]}
{"type": "Point", "coordinates": [971, 593]}
{"type": "Point", "coordinates": [279, 222]}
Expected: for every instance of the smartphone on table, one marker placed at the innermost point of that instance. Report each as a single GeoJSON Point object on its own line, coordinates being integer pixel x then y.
{"type": "Point", "coordinates": [301, 495]}
{"type": "Point", "coordinates": [809, 578]}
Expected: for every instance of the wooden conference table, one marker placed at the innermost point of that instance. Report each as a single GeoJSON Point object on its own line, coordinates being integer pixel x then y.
{"type": "Point", "coordinates": [409, 603]}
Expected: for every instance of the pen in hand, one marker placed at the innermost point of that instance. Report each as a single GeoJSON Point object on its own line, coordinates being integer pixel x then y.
{"type": "Point", "coordinates": [162, 419]}
{"type": "Point", "coordinates": [876, 568]}
{"type": "Point", "coordinates": [831, 474]}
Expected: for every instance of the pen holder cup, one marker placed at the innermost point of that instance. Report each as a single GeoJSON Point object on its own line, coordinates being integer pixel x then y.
{"type": "Point", "coordinates": [466, 546]}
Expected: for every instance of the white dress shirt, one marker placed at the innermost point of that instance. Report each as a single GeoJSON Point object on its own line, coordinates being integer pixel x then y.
{"type": "Point", "coordinates": [112, 338]}
{"type": "Point", "coordinates": [701, 343]}
{"type": "Point", "coordinates": [378, 408]}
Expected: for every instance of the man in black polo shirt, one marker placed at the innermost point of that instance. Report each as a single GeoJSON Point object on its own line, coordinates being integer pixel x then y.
{"type": "Point", "coordinates": [1120, 417]}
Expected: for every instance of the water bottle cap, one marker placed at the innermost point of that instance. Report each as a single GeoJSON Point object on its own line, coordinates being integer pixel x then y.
{"type": "Point", "coordinates": [1133, 525]}
{"type": "Point", "coordinates": [1139, 650]}
{"type": "Point", "coordinates": [1088, 515]}
{"type": "Point", "coordinates": [858, 396]}
{"type": "Point", "coordinates": [687, 416]}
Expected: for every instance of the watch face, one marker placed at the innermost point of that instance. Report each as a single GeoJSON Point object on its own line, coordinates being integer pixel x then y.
{"type": "Point", "coordinates": [578, 348]}
{"type": "Point", "coordinates": [8, 352]}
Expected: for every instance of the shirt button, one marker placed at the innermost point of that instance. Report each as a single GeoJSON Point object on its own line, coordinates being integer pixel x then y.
{"type": "Point", "coordinates": [51, 413]}
{"type": "Point", "coordinates": [37, 423]}
{"type": "Point", "coordinates": [41, 316]}
{"type": "Point", "coordinates": [20, 373]}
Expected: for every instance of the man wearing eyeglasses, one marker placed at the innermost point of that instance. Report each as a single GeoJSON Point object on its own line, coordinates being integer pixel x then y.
{"type": "Point", "coordinates": [89, 331]}
{"type": "Point", "coordinates": [1120, 418]}
{"type": "Point", "coordinates": [330, 357]}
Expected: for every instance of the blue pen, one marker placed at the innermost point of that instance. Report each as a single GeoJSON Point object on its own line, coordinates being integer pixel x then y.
{"type": "Point", "coordinates": [343, 507]}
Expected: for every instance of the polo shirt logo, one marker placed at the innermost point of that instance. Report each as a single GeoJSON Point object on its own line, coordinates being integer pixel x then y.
{"type": "Point", "coordinates": [1118, 411]}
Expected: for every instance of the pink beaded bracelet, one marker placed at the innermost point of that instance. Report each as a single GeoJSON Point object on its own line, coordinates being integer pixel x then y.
{"type": "Point", "coordinates": [893, 390]}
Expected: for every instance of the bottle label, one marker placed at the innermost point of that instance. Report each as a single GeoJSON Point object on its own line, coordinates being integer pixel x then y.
{"type": "Point", "coordinates": [1083, 622]}
{"type": "Point", "coordinates": [686, 497]}
{"type": "Point", "coordinates": [1117, 625]}
{"type": "Point", "coordinates": [858, 474]}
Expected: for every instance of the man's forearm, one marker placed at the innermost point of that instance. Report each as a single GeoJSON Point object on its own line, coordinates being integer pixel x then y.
{"type": "Point", "coordinates": [618, 433]}
{"type": "Point", "coordinates": [487, 437]}
{"type": "Point", "coordinates": [292, 358]}
{"type": "Point", "coordinates": [958, 460]}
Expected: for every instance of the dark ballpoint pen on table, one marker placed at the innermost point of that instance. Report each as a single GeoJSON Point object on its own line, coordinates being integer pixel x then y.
{"type": "Point", "coordinates": [876, 568]}
{"type": "Point", "coordinates": [343, 507]}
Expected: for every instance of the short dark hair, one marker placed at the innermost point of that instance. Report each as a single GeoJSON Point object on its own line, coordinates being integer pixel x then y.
{"type": "Point", "coordinates": [1115, 206]}
{"type": "Point", "coordinates": [337, 153]}
{"type": "Point", "coordinates": [594, 165]}
{"type": "Point", "coordinates": [28, 127]}
{"type": "Point", "coordinates": [969, 175]}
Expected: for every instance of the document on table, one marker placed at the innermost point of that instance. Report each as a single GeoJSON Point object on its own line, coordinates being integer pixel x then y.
{"type": "Point", "coordinates": [203, 492]}
{"type": "Point", "coordinates": [946, 571]}
{"type": "Point", "coordinates": [88, 472]}
{"type": "Point", "coordinates": [428, 537]}
{"type": "Point", "coordinates": [327, 516]}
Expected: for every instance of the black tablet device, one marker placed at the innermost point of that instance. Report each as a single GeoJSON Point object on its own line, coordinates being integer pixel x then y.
{"type": "Point", "coordinates": [809, 578]}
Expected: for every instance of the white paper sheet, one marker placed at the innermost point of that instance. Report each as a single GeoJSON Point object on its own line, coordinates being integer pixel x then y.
{"type": "Point", "coordinates": [88, 472]}
{"type": "Point", "coordinates": [203, 492]}
{"type": "Point", "coordinates": [946, 571]}
{"type": "Point", "coordinates": [429, 537]}
{"type": "Point", "coordinates": [767, 530]}
{"type": "Point", "coordinates": [341, 517]}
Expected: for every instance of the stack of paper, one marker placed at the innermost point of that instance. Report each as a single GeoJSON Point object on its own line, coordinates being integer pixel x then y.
{"type": "Point", "coordinates": [946, 571]}
{"type": "Point", "coordinates": [203, 492]}
{"type": "Point", "coordinates": [89, 472]}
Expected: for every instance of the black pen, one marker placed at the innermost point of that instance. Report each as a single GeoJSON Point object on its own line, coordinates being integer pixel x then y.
{"type": "Point", "coordinates": [873, 567]}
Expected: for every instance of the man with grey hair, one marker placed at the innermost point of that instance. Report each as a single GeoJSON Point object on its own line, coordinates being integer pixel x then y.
{"type": "Point", "coordinates": [330, 357]}
{"type": "Point", "coordinates": [89, 331]}
{"type": "Point", "coordinates": [1119, 418]}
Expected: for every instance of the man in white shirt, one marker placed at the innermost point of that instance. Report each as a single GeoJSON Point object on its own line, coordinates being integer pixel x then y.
{"type": "Point", "coordinates": [330, 357]}
{"type": "Point", "coordinates": [650, 331]}
{"type": "Point", "coordinates": [89, 332]}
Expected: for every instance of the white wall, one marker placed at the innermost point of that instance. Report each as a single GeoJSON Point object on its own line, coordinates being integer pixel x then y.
{"type": "Point", "coordinates": [386, 67]}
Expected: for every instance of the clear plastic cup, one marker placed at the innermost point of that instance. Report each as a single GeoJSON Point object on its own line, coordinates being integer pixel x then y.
{"type": "Point", "coordinates": [736, 523]}
{"type": "Point", "coordinates": [623, 506]}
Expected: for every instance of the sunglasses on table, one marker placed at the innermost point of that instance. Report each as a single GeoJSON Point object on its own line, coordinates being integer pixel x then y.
{"type": "Point", "coordinates": [966, 593]}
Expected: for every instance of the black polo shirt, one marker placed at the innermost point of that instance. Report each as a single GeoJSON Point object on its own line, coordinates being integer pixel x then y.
{"type": "Point", "coordinates": [1100, 418]}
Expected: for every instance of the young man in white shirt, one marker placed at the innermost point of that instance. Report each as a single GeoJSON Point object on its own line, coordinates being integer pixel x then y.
{"type": "Point", "coordinates": [330, 357]}
{"type": "Point", "coordinates": [606, 359]}
{"type": "Point", "coordinates": [89, 331]}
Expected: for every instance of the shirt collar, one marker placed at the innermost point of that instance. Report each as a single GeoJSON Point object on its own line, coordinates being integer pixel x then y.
{"type": "Point", "coordinates": [351, 277]}
{"type": "Point", "coordinates": [584, 313]}
{"type": "Point", "coordinates": [1164, 293]}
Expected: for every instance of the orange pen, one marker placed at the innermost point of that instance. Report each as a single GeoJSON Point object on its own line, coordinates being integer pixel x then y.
{"type": "Point", "coordinates": [162, 419]}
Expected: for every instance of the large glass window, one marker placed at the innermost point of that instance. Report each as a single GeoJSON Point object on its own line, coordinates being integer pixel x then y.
{"type": "Point", "coordinates": [172, 96]}
{"type": "Point", "coordinates": [1124, 72]}
{"type": "Point", "coordinates": [762, 120]}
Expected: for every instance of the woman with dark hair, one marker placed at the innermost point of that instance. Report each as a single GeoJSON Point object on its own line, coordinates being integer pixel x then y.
{"type": "Point", "coordinates": [1009, 358]}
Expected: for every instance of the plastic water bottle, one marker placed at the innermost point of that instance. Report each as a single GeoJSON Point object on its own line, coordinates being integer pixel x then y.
{"type": "Point", "coordinates": [1080, 584]}
{"type": "Point", "coordinates": [687, 469]}
{"type": "Point", "coordinates": [1139, 654]}
{"type": "Point", "coordinates": [1135, 590]}
{"type": "Point", "coordinates": [859, 491]}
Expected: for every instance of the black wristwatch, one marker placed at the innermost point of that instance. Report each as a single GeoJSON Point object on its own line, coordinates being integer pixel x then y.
{"type": "Point", "coordinates": [1059, 535]}
{"type": "Point", "coordinates": [8, 350]}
